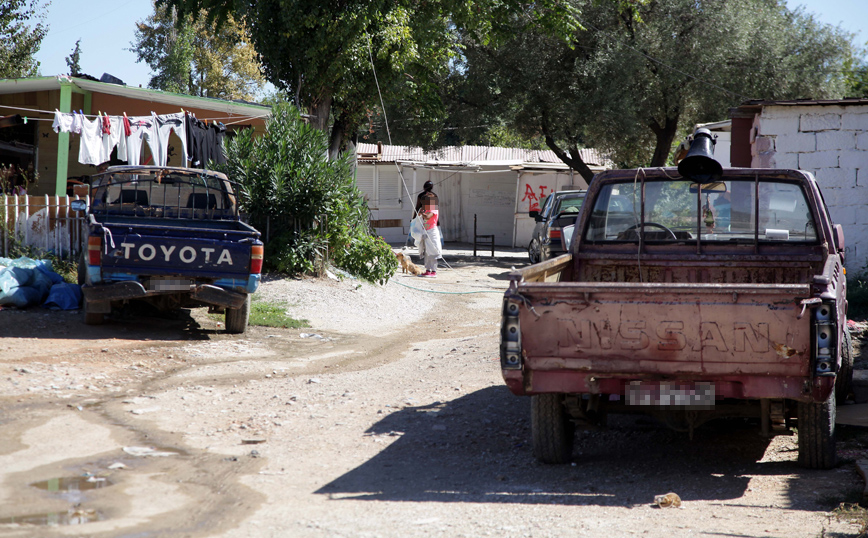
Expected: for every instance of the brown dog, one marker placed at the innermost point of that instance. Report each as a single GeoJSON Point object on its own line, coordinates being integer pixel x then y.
{"type": "Point", "coordinates": [406, 265]}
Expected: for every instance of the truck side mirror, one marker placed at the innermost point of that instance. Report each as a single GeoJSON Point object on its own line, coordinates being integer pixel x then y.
{"type": "Point", "coordinates": [533, 214]}
{"type": "Point", "coordinates": [78, 205]}
{"type": "Point", "coordinates": [839, 239]}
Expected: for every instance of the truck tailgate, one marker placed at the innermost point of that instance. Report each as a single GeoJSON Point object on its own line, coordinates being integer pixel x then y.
{"type": "Point", "coordinates": [213, 253]}
{"type": "Point", "coordinates": [666, 328]}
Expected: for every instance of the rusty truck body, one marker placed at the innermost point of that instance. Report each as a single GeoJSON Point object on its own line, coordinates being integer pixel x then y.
{"type": "Point", "coordinates": [689, 301]}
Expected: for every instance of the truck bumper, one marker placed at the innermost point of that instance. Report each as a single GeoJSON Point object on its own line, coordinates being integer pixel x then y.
{"type": "Point", "coordinates": [129, 289]}
{"type": "Point", "coordinates": [100, 297]}
{"type": "Point", "coordinates": [742, 387]}
{"type": "Point", "coordinates": [218, 296]}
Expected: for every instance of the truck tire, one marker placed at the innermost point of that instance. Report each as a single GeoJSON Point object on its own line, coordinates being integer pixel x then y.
{"type": "Point", "coordinates": [92, 318]}
{"type": "Point", "coordinates": [236, 318]}
{"type": "Point", "coordinates": [817, 434]}
{"type": "Point", "coordinates": [81, 269]}
{"type": "Point", "coordinates": [553, 432]}
{"type": "Point", "coordinates": [844, 381]}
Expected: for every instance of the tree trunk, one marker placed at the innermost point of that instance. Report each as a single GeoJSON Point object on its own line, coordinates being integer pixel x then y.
{"type": "Point", "coordinates": [320, 110]}
{"type": "Point", "coordinates": [336, 140]}
{"type": "Point", "coordinates": [665, 135]}
{"type": "Point", "coordinates": [573, 159]}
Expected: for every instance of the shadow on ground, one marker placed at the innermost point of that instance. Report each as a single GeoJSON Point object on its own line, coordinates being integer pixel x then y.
{"type": "Point", "coordinates": [136, 321]}
{"type": "Point", "coordinates": [478, 449]}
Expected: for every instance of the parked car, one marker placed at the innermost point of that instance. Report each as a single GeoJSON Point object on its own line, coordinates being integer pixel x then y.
{"type": "Point", "coordinates": [557, 210]}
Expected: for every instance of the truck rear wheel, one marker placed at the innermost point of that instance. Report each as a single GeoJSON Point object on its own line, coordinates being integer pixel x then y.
{"type": "Point", "coordinates": [817, 434]}
{"type": "Point", "coordinates": [553, 431]}
{"type": "Point", "coordinates": [844, 381]}
{"type": "Point", "coordinates": [92, 318]}
{"type": "Point", "coordinates": [237, 318]}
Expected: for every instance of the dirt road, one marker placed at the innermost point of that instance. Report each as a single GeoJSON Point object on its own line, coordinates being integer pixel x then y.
{"type": "Point", "coordinates": [386, 418]}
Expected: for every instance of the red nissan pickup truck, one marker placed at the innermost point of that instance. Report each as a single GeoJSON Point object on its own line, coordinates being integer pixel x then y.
{"type": "Point", "coordinates": [688, 300]}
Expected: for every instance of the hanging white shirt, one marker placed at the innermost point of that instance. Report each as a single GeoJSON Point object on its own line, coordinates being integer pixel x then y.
{"type": "Point", "coordinates": [62, 122]}
{"type": "Point", "coordinates": [90, 144]}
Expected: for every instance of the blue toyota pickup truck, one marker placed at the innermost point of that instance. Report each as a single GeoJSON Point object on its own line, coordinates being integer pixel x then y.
{"type": "Point", "coordinates": [172, 237]}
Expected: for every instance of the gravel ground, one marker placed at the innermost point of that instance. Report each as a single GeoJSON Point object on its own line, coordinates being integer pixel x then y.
{"type": "Point", "coordinates": [386, 418]}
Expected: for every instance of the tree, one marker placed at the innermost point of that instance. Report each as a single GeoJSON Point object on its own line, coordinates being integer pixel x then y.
{"type": "Point", "coordinates": [325, 54]}
{"type": "Point", "coordinates": [19, 41]}
{"type": "Point", "coordinates": [630, 82]}
{"type": "Point", "coordinates": [856, 75]}
{"type": "Point", "coordinates": [73, 60]}
{"type": "Point", "coordinates": [191, 56]}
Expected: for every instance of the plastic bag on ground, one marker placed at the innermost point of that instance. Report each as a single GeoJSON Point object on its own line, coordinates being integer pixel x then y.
{"type": "Point", "coordinates": [63, 296]}
{"type": "Point", "coordinates": [26, 282]}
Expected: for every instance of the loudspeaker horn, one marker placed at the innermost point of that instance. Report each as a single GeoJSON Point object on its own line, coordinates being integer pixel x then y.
{"type": "Point", "coordinates": [700, 164]}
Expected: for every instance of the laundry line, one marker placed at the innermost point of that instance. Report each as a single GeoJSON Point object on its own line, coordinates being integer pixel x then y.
{"type": "Point", "coordinates": [125, 137]}
{"type": "Point", "coordinates": [239, 117]}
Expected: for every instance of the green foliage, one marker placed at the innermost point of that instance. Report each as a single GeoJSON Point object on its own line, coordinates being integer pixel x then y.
{"type": "Point", "coordinates": [73, 61]}
{"type": "Point", "coordinates": [322, 53]}
{"type": "Point", "coordinates": [857, 296]}
{"type": "Point", "coordinates": [306, 203]}
{"type": "Point", "coordinates": [12, 176]}
{"type": "Point", "coordinates": [368, 257]}
{"type": "Point", "coordinates": [297, 252]}
{"type": "Point", "coordinates": [856, 75]}
{"type": "Point", "coordinates": [191, 56]}
{"type": "Point", "coordinates": [633, 80]}
{"type": "Point", "coordinates": [266, 314]}
{"type": "Point", "coordinates": [20, 41]}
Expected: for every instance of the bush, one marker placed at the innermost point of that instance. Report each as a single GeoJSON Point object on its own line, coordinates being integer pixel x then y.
{"type": "Point", "coordinates": [289, 186]}
{"type": "Point", "coordinates": [857, 297]}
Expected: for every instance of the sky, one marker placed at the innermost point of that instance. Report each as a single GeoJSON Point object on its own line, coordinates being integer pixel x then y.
{"type": "Point", "coordinates": [107, 27]}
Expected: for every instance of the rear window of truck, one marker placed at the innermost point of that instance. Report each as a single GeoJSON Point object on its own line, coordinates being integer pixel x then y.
{"type": "Point", "coordinates": [679, 210]}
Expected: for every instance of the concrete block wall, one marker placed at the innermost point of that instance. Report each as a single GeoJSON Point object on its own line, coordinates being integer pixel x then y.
{"type": "Point", "coordinates": [830, 141]}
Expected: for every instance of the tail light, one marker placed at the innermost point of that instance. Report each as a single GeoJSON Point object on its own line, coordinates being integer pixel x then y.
{"type": "Point", "coordinates": [256, 252]}
{"type": "Point", "coordinates": [554, 233]}
{"type": "Point", "coordinates": [94, 246]}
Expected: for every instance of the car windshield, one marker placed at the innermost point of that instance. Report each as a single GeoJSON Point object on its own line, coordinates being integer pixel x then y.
{"type": "Point", "coordinates": [677, 210]}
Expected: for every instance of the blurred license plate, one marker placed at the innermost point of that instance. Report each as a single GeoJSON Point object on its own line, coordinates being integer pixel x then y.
{"type": "Point", "coordinates": [671, 394]}
{"type": "Point", "coordinates": [170, 284]}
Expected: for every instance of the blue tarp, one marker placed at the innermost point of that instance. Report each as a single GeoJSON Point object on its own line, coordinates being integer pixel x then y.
{"type": "Point", "coordinates": [25, 282]}
{"type": "Point", "coordinates": [63, 296]}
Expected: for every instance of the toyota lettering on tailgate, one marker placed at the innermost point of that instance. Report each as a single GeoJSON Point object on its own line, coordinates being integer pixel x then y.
{"type": "Point", "coordinates": [171, 253]}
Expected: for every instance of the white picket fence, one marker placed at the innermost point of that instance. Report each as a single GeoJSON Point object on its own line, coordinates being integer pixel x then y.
{"type": "Point", "coordinates": [44, 223]}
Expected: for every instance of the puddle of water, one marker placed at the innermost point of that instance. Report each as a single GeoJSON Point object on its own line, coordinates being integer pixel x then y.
{"type": "Point", "coordinates": [73, 516]}
{"type": "Point", "coordinates": [75, 483]}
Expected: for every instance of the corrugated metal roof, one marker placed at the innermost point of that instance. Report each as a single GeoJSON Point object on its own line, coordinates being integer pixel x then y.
{"type": "Point", "coordinates": [469, 155]}
{"type": "Point", "coordinates": [847, 101]}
